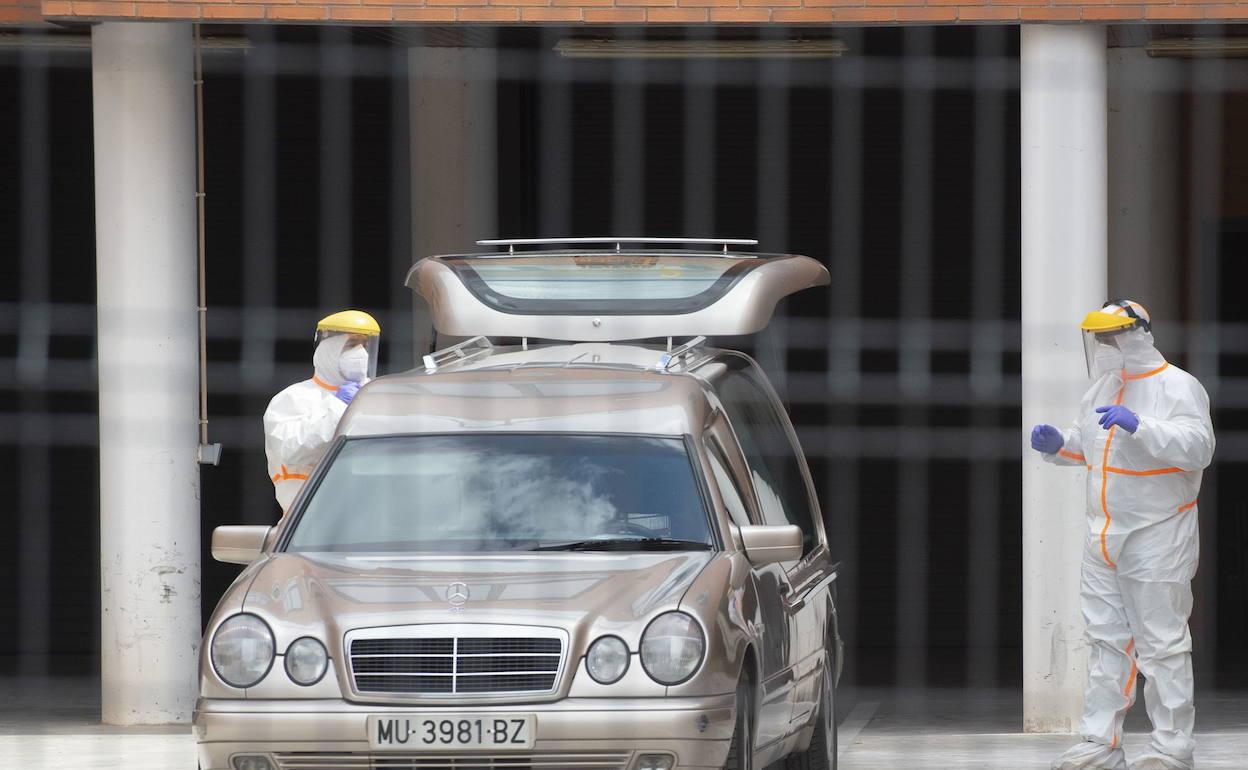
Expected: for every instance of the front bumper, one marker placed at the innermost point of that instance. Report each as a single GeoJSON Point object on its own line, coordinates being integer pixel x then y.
{"type": "Point", "coordinates": [607, 733]}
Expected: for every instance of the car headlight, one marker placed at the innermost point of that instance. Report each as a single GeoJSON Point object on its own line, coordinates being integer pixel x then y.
{"type": "Point", "coordinates": [607, 659]}
{"type": "Point", "coordinates": [672, 647]}
{"type": "Point", "coordinates": [242, 650]}
{"type": "Point", "coordinates": [306, 661]}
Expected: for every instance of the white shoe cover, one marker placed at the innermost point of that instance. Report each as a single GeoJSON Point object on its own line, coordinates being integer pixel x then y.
{"type": "Point", "coordinates": [1158, 761]}
{"type": "Point", "coordinates": [1091, 756]}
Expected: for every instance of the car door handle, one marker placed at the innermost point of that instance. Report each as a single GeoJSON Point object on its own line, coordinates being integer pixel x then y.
{"type": "Point", "coordinates": [794, 602]}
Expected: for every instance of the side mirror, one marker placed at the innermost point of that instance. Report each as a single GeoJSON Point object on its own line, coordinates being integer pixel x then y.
{"type": "Point", "coordinates": [239, 545]}
{"type": "Point", "coordinates": [768, 544]}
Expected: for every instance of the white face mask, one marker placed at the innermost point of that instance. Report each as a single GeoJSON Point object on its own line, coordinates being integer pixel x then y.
{"type": "Point", "coordinates": [1108, 359]}
{"type": "Point", "coordinates": [353, 364]}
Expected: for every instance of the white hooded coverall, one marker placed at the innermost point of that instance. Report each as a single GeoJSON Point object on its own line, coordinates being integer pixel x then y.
{"type": "Point", "coordinates": [301, 420]}
{"type": "Point", "coordinates": [1141, 551]}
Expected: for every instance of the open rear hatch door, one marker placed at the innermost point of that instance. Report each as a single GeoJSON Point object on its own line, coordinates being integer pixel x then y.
{"type": "Point", "coordinates": [603, 296]}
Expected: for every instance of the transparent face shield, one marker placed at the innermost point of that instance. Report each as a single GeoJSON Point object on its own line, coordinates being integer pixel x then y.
{"type": "Point", "coordinates": [1100, 351]}
{"type": "Point", "coordinates": [358, 360]}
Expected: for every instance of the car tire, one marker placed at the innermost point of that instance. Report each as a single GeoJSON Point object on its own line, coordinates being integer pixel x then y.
{"type": "Point", "coordinates": [741, 751]}
{"type": "Point", "coordinates": [821, 754]}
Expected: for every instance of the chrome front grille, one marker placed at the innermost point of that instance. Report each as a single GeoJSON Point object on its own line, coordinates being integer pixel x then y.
{"type": "Point", "coordinates": [462, 664]}
{"type": "Point", "coordinates": [613, 760]}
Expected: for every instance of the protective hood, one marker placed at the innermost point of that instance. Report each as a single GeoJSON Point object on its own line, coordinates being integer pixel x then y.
{"type": "Point", "coordinates": [1139, 355]}
{"type": "Point", "coordinates": [327, 360]}
{"type": "Point", "coordinates": [1131, 350]}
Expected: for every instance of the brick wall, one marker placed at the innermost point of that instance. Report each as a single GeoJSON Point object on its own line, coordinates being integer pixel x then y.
{"type": "Point", "coordinates": [625, 12]}
{"type": "Point", "coordinates": [20, 12]}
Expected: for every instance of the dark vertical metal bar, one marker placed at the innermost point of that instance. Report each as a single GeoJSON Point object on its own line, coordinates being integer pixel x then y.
{"type": "Point", "coordinates": [554, 139]}
{"type": "Point", "coordinates": [201, 194]}
{"type": "Point", "coordinates": [258, 352]}
{"type": "Point", "coordinates": [34, 470]}
{"type": "Point", "coordinates": [481, 118]}
{"type": "Point", "coordinates": [1204, 220]}
{"type": "Point", "coordinates": [399, 333]}
{"type": "Point", "coordinates": [335, 255]}
{"type": "Point", "coordinates": [914, 349]}
{"type": "Point", "coordinates": [844, 349]}
{"type": "Point", "coordinates": [987, 345]}
{"type": "Point", "coordinates": [773, 200]}
{"type": "Point", "coordinates": [629, 151]}
{"type": "Point", "coordinates": [699, 144]}
{"type": "Point", "coordinates": [424, 336]}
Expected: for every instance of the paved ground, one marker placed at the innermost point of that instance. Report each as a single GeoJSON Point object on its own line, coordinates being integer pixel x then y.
{"type": "Point", "coordinates": [958, 729]}
{"type": "Point", "coordinates": [53, 724]}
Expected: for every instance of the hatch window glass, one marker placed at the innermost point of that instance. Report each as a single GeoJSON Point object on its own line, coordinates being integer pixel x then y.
{"type": "Point", "coordinates": [775, 466]}
{"type": "Point", "coordinates": [500, 492]}
{"type": "Point", "coordinates": [611, 283]}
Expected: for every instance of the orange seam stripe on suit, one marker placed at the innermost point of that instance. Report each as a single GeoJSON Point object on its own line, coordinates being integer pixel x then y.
{"type": "Point", "coordinates": [1105, 480]}
{"type": "Point", "coordinates": [1153, 472]}
{"type": "Point", "coordinates": [286, 475]}
{"type": "Point", "coordinates": [1158, 370]}
{"type": "Point", "coordinates": [1135, 668]}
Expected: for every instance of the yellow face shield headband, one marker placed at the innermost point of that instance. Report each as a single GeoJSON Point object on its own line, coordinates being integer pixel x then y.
{"type": "Point", "coordinates": [350, 321]}
{"type": "Point", "coordinates": [1099, 322]}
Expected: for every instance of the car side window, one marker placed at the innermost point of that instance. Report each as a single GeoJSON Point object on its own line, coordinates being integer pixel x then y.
{"type": "Point", "coordinates": [772, 456]}
{"type": "Point", "coordinates": [734, 501]}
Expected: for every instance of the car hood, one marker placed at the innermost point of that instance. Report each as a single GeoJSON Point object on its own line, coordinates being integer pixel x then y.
{"type": "Point", "coordinates": [327, 595]}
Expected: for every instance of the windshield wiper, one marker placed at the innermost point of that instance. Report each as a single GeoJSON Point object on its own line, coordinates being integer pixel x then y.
{"type": "Point", "coordinates": [626, 544]}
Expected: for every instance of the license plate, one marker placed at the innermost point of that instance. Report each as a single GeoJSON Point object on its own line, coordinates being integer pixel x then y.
{"type": "Point", "coordinates": [452, 731]}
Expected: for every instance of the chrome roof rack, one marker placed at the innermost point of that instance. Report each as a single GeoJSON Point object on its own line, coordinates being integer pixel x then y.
{"type": "Point", "coordinates": [464, 351]}
{"type": "Point", "coordinates": [512, 243]}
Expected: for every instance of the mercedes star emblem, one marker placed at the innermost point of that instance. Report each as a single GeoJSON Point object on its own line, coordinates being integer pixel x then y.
{"type": "Point", "coordinates": [457, 594]}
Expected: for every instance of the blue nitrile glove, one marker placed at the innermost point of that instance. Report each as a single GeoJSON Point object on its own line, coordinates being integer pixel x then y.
{"type": "Point", "coordinates": [1120, 416]}
{"type": "Point", "coordinates": [346, 391]}
{"type": "Point", "coordinates": [1046, 439]}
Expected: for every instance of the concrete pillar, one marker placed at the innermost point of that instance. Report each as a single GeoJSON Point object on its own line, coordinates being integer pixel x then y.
{"type": "Point", "coordinates": [454, 136]}
{"type": "Point", "coordinates": [1063, 275]}
{"type": "Point", "coordinates": [146, 276]}
{"type": "Point", "coordinates": [1146, 188]}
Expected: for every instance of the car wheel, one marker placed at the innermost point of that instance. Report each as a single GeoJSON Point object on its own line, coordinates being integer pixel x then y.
{"type": "Point", "coordinates": [821, 754]}
{"type": "Point", "coordinates": [741, 752]}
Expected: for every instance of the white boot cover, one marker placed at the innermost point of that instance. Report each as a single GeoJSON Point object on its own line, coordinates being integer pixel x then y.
{"type": "Point", "coordinates": [1091, 756]}
{"type": "Point", "coordinates": [1159, 761]}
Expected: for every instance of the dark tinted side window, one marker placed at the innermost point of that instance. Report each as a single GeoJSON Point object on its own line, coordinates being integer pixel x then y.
{"type": "Point", "coordinates": [774, 464]}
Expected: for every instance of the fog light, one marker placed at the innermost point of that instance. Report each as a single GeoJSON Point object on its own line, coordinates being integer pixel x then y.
{"type": "Point", "coordinates": [252, 762]}
{"type": "Point", "coordinates": [607, 660]}
{"type": "Point", "coordinates": [656, 762]}
{"type": "Point", "coordinates": [306, 661]}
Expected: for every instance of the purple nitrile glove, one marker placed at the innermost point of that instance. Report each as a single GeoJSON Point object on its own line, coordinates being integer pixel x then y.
{"type": "Point", "coordinates": [1046, 439]}
{"type": "Point", "coordinates": [346, 391]}
{"type": "Point", "coordinates": [1120, 416]}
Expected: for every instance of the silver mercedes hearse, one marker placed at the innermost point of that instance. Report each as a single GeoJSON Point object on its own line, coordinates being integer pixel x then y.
{"type": "Point", "coordinates": [580, 537]}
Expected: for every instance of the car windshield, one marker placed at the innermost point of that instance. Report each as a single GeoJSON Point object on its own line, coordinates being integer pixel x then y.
{"type": "Point", "coordinates": [501, 492]}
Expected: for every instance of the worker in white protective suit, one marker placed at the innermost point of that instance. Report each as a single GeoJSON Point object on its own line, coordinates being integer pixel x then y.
{"type": "Point", "coordinates": [1144, 435]}
{"type": "Point", "coordinates": [301, 420]}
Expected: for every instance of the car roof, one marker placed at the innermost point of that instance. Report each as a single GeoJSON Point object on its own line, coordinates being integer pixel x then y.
{"type": "Point", "coordinates": [586, 387]}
